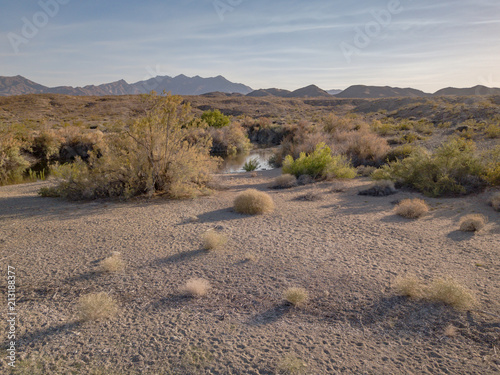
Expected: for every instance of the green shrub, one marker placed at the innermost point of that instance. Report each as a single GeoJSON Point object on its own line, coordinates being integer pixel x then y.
{"type": "Point", "coordinates": [400, 152]}
{"type": "Point", "coordinates": [452, 169]}
{"type": "Point", "coordinates": [493, 131]}
{"type": "Point", "coordinates": [319, 164]}
{"type": "Point", "coordinates": [492, 166]}
{"type": "Point", "coordinates": [251, 165]}
{"type": "Point", "coordinates": [215, 119]}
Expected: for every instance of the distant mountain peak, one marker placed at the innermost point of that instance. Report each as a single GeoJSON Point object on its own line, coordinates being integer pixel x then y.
{"type": "Point", "coordinates": [179, 85]}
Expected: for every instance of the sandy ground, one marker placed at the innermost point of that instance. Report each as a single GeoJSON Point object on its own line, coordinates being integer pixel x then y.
{"type": "Point", "coordinates": [345, 249]}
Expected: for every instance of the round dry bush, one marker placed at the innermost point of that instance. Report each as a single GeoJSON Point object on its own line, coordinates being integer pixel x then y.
{"type": "Point", "coordinates": [97, 306]}
{"type": "Point", "coordinates": [212, 240]}
{"type": "Point", "coordinates": [114, 263]}
{"type": "Point", "coordinates": [449, 292]}
{"type": "Point", "coordinates": [472, 223]}
{"type": "Point", "coordinates": [296, 296]}
{"type": "Point", "coordinates": [380, 188]}
{"type": "Point", "coordinates": [253, 202]}
{"type": "Point", "coordinates": [412, 208]}
{"type": "Point", "coordinates": [285, 181]}
{"type": "Point", "coordinates": [196, 287]}
{"type": "Point", "coordinates": [495, 201]}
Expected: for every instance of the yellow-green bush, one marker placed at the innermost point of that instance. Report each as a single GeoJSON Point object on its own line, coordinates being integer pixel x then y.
{"type": "Point", "coordinates": [453, 168]}
{"type": "Point", "coordinates": [319, 164]}
{"type": "Point", "coordinates": [215, 119]}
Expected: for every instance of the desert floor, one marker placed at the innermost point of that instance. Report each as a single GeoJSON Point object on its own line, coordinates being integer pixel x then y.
{"type": "Point", "coordinates": [345, 249]}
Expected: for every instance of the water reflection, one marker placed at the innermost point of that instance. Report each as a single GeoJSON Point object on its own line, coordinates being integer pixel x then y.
{"type": "Point", "coordinates": [235, 164]}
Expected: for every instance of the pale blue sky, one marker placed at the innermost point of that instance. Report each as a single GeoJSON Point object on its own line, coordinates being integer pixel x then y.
{"type": "Point", "coordinates": [282, 43]}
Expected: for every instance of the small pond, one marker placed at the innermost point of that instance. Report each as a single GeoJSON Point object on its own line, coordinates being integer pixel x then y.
{"type": "Point", "coordinates": [235, 164]}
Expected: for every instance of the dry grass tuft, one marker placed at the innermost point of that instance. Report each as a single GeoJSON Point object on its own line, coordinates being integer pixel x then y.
{"type": "Point", "coordinates": [253, 202]}
{"type": "Point", "coordinates": [443, 290]}
{"type": "Point", "coordinates": [193, 219]}
{"type": "Point", "coordinates": [114, 263]}
{"type": "Point", "coordinates": [291, 365]}
{"type": "Point", "coordinates": [212, 240]}
{"type": "Point", "coordinates": [472, 223]}
{"type": "Point", "coordinates": [449, 292]}
{"type": "Point", "coordinates": [196, 287]}
{"type": "Point", "coordinates": [450, 330]}
{"type": "Point", "coordinates": [495, 201]}
{"type": "Point", "coordinates": [410, 286]}
{"type": "Point", "coordinates": [285, 181]}
{"type": "Point", "coordinates": [296, 296]}
{"type": "Point", "coordinates": [412, 208]}
{"type": "Point", "coordinates": [250, 257]}
{"type": "Point", "coordinates": [97, 306]}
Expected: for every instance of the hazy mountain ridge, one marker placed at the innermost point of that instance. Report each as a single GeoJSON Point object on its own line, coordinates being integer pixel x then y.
{"type": "Point", "coordinates": [361, 91]}
{"type": "Point", "coordinates": [183, 85]}
{"type": "Point", "coordinates": [180, 85]}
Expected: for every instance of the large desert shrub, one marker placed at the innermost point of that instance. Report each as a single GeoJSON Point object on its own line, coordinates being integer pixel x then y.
{"type": "Point", "coordinates": [452, 169]}
{"type": "Point", "coordinates": [319, 164]}
{"type": "Point", "coordinates": [152, 156]}
{"type": "Point", "coordinates": [253, 202]}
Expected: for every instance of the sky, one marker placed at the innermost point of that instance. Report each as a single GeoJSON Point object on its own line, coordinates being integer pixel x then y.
{"type": "Point", "coordinates": [424, 44]}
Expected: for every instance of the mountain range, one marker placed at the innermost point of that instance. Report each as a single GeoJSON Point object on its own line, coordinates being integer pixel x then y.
{"type": "Point", "coordinates": [183, 85]}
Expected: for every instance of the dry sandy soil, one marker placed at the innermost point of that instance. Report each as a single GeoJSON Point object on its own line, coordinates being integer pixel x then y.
{"type": "Point", "coordinates": [345, 249]}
